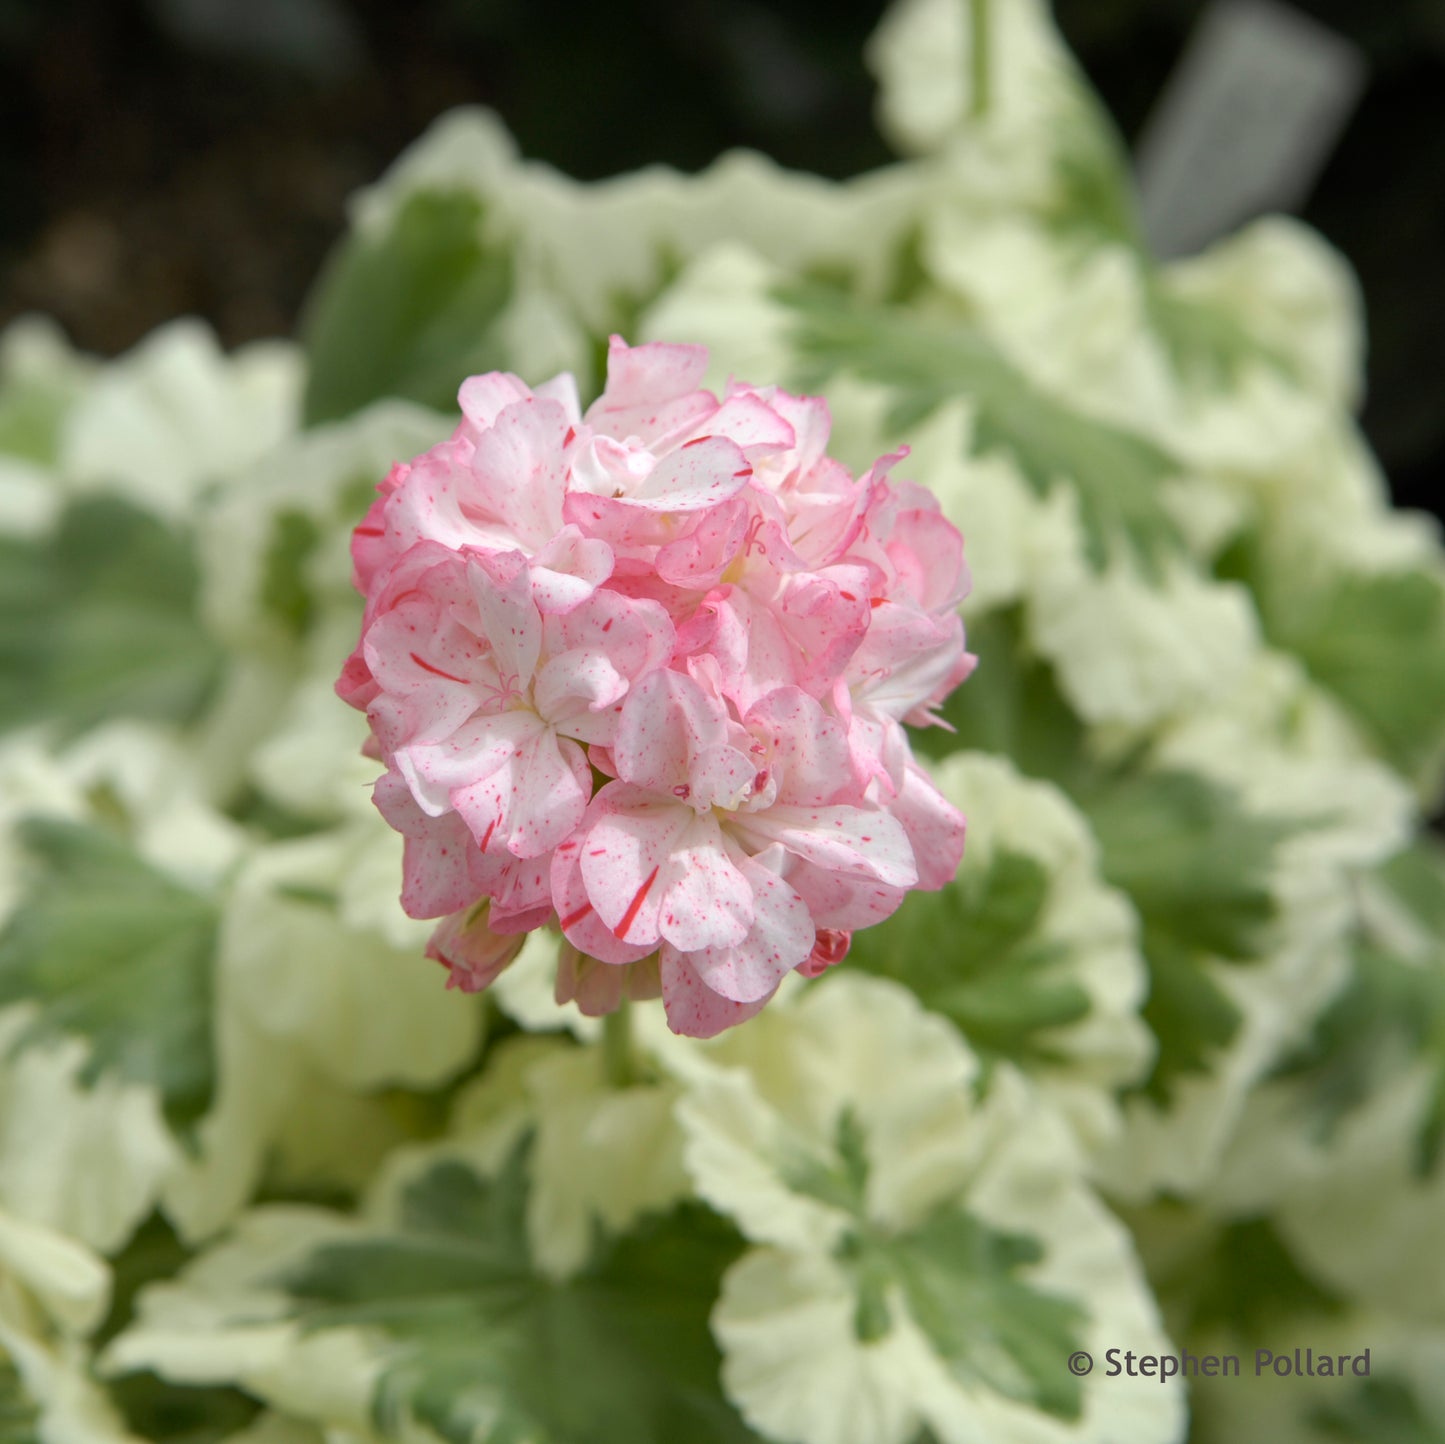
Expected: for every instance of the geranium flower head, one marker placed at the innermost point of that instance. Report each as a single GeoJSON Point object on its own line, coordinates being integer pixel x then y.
{"type": "Point", "coordinates": [642, 672]}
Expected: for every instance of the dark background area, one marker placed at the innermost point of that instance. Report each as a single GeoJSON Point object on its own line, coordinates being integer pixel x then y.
{"type": "Point", "coordinates": [163, 157]}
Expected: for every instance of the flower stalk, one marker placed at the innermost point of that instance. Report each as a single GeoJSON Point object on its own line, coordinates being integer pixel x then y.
{"type": "Point", "coordinates": [618, 1060]}
{"type": "Point", "coordinates": [979, 44]}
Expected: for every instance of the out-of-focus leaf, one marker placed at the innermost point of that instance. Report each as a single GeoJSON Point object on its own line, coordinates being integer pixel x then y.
{"type": "Point", "coordinates": [1249, 1282]}
{"type": "Point", "coordinates": [1012, 706]}
{"type": "Point", "coordinates": [972, 952]}
{"type": "Point", "coordinates": [1193, 860]}
{"type": "Point", "coordinates": [153, 1253]}
{"type": "Point", "coordinates": [162, 1412]}
{"type": "Point", "coordinates": [484, 1349]}
{"type": "Point", "coordinates": [408, 312]}
{"type": "Point", "coordinates": [99, 621]}
{"type": "Point", "coordinates": [1378, 642]}
{"type": "Point", "coordinates": [30, 420]}
{"type": "Point", "coordinates": [19, 1416]}
{"type": "Point", "coordinates": [1197, 866]}
{"type": "Point", "coordinates": [109, 950]}
{"type": "Point", "coordinates": [1117, 475]}
{"type": "Point", "coordinates": [1379, 1411]}
{"type": "Point", "coordinates": [284, 592]}
{"type": "Point", "coordinates": [1392, 1010]}
{"type": "Point", "coordinates": [1207, 345]}
{"type": "Point", "coordinates": [1189, 1015]}
{"type": "Point", "coordinates": [1095, 198]}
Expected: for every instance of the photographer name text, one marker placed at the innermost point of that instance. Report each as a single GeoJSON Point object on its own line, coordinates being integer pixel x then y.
{"type": "Point", "coordinates": [1283, 1364]}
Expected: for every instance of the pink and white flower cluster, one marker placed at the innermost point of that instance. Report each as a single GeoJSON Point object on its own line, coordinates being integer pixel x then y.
{"type": "Point", "coordinates": [641, 672]}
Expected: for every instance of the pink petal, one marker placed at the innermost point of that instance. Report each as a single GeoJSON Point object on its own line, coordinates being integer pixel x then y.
{"type": "Point", "coordinates": [935, 828]}
{"type": "Point", "coordinates": [430, 668]}
{"type": "Point", "coordinates": [636, 634]}
{"type": "Point", "coordinates": [698, 559]}
{"type": "Point", "coordinates": [471, 952]}
{"type": "Point", "coordinates": [624, 853]}
{"type": "Point", "coordinates": [705, 901]}
{"type": "Point", "coordinates": [825, 513]}
{"type": "Point", "coordinates": [652, 391]}
{"type": "Point", "coordinates": [579, 920]}
{"type": "Point", "coordinates": [811, 423]}
{"type": "Point", "coordinates": [483, 398]}
{"type": "Point", "coordinates": [472, 753]}
{"type": "Point", "coordinates": [693, 1009]}
{"type": "Point", "coordinates": [923, 714]}
{"type": "Point", "coordinates": [509, 619]}
{"type": "Point", "coordinates": [700, 475]}
{"type": "Point", "coordinates": [603, 467]}
{"type": "Point", "coordinates": [427, 505]}
{"type": "Point", "coordinates": [521, 894]}
{"type": "Point", "coordinates": [723, 776]}
{"type": "Point", "coordinates": [551, 788]}
{"type": "Point", "coordinates": [826, 616]}
{"type": "Point", "coordinates": [907, 660]}
{"type": "Point", "coordinates": [807, 748]}
{"type": "Point", "coordinates": [356, 686]}
{"type": "Point", "coordinates": [568, 570]}
{"type": "Point", "coordinates": [562, 389]}
{"type": "Point", "coordinates": [840, 900]}
{"type": "Point", "coordinates": [371, 550]}
{"type": "Point", "coordinates": [442, 869]}
{"type": "Point", "coordinates": [667, 720]}
{"type": "Point", "coordinates": [530, 803]}
{"type": "Point", "coordinates": [639, 374]}
{"type": "Point", "coordinates": [852, 840]}
{"type": "Point", "coordinates": [879, 750]}
{"type": "Point", "coordinates": [518, 473]}
{"type": "Point", "coordinates": [926, 550]}
{"type": "Point", "coordinates": [732, 637]}
{"type": "Point", "coordinates": [801, 634]}
{"type": "Point", "coordinates": [781, 937]}
{"type": "Point", "coordinates": [751, 424]}
{"type": "Point", "coordinates": [572, 689]}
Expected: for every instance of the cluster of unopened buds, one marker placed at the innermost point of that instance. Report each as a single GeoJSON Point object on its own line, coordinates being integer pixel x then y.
{"type": "Point", "coordinates": [641, 674]}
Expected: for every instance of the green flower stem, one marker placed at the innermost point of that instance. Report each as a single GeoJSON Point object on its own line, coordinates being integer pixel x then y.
{"type": "Point", "coordinates": [978, 34]}
{"type": "Point", "coordinates": [617, 1057]}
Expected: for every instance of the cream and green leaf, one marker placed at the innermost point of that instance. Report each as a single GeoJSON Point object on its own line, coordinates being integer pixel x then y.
{"type": "Point", "coordinates": [98, 620]}
{"type": "Point", "coordinates": [1392, 1012]}
{"type": "Point", "coordinates": [432, 1313]}
{"type": "Point", "coordinates": [900, 1278]}
{"type": "Point", "coordinates": [406, 312]}
{"type": "Point", "coordinates": [1027, 951]}
{"type": "Point", "coordinates": [973, 953]}
{"type": "Point", "coordinates": [1197, 865]}
{"type": "Point", "coordinates": [1376, 640]}
{"type": "Point", "coordinates": [1191, 857]}
{"type": "Point", "coordinates": [924, 360]}
{"type": "Point", "coordinates": [111, 951]}
{"type": "Point", "coordinates": [19, 1413]}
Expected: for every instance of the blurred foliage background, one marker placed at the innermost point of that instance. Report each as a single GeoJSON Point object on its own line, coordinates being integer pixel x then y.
{"type": "Point", "coordinates": [164, 157]}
